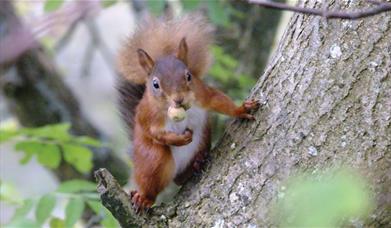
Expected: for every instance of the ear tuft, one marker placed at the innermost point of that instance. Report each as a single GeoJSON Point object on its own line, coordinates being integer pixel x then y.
{"type": "Point", "coordinates": [145, 61]}
{"type": "Point", "coordinates": [182, 51]}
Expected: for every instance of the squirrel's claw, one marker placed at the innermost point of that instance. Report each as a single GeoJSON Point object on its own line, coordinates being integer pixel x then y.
{"type": "Point", "coordinates": [251, 104]}
{"type": "Point", "coordinates": [139, 202]}
{"type": "Point", "coordinates": [199, 162]}
{"type": "Point", "coordinates": [247, 116]}
{"type": "Point", "coordinates": [247, 107]}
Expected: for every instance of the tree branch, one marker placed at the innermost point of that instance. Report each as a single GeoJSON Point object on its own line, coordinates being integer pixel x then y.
{"type": "Point", "coordinates": [117, 201]}
{"type": "Point", "coordinates": [19, 38]}
{"type": "Point", "coordinates": [379, 8]}
{"type": "Point", "coordinates": [67, 35]}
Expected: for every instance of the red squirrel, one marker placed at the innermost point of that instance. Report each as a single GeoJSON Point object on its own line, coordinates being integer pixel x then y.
{"type": "Point", "coordinates": [161, 66]}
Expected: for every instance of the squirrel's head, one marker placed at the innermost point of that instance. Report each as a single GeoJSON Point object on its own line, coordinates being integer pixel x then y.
{"type": "Point", "coordinates": [169, 81]}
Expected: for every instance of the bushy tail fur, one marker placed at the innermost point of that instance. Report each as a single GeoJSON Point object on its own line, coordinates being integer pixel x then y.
{"type": "Point", "coordinates": [159, 38]}
{"type": "Point", "coordinates": [130, 95]}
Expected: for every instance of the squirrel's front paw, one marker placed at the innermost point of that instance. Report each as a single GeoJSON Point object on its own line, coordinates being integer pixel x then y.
{"type": "Point", "coordinates": [185, 138]}
{"type": "Point", "coordinates": [251, 105]}
{"type": "Point", "coordinates": [139, 202]}
{"type": "Point", "coordinates": [247, 107]}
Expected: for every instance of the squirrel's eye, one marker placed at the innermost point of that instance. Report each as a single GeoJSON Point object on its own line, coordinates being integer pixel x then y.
{"type": "Point", "coordinates": [188, 76]}
{"type": "Point", "coordinates": [155, 84]}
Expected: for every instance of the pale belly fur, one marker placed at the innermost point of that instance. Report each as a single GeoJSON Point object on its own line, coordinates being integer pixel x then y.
{"type": "Point", "coordinates": [196, 120]}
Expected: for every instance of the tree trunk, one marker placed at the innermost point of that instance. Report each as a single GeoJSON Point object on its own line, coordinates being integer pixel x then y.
{"type": "Point", "coordinates": [36, 94]}
{"type": "Point", "coordinates": [327, 88]}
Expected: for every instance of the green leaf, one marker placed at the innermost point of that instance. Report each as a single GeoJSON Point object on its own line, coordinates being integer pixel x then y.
{"type": "Point", "coordinates": [73, 186]}
{"type": "Point", "coordinates": [49, 156]}
{"type": "Point", "coordinates": [73, 211]}
{"type": "Point", "coordinates": [78, 156]}
{"type": "Point", "coordinates": [85, 140]}
{"type": "Point", "coordinates": [156, 6]}
{"type": "Point", "coordinates": [27, 157]}
{"type": "Point", "coordinates": [29, 147]}
{"type": "Point", "coordinates": [22, 211]}
{"type": "Point", "coordinates": [108, 3]}
{"type": "Point", "coordinates": [56, 223]}
{"type": "Point", "coordinates": [108, 220]}
{"type": "Point", "coordinates": [51, 5]}
{"type": "Point", "coordinates": [7, 134]}
{"type": "Point", "coordinates": [44, 208]}
{"type": "Point", "coordinates": [8, 193]}
{"type": "Point", "coordinates": [54, 131]}
{"type": "Point", "coordinates": [96, 206]}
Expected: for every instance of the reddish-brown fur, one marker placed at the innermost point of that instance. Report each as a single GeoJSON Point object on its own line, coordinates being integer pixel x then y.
{"type": "Point", "coordinates": [199, 159]}
{"type": "Point", "coordinates": [167, 53]}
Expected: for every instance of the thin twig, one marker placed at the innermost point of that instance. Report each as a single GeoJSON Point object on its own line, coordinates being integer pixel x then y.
{"type": "Point", "coordinates": [379, 8]}
{"type": "Point", "coordinates": [99, 43]}
{"type": "Point", "coordinates": [87, 60]}
{"type": "Point", "coordinates": [68, 34]}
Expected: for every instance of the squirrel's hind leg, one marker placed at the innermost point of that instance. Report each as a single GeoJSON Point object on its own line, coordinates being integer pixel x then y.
{"type": "Point", "coordinates": [153, 170]}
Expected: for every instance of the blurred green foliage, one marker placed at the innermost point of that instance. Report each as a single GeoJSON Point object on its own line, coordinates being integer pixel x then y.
{"type": "Point", "coordinates": [108, 3]}
{"type": "Point", "coordinates": [50, 143]}
{"type": "Point", "coordinates": [8, 193]}
{"type": "Point", "coordinates": [236, 85]}
{"type": "Point", "coordinates": [223, 74]}
{"type": "Point", "coordinates": [156, 6]}
{"type": "Point", "coordinates": [51, 5]}
{"type": "Point", "coordinates": [218, 10]}
{"type": "Point", "coordinates": [331, 199]}
{"type": "Point", "coordinates": [77, 195]}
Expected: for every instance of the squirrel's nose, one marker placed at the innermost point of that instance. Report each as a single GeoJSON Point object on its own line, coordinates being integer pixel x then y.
{"type": "Point", "coordinates": [178, 102]}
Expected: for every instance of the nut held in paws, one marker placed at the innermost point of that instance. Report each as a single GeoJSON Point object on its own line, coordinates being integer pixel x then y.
{"type": "Point", "coordinates": [176, 114]}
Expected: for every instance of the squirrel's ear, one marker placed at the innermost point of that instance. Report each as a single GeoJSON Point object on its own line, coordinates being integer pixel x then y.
{"type": "Point", "coordinates": [145, 61]}
{"type": "Point", "coordinates": [182, 51]}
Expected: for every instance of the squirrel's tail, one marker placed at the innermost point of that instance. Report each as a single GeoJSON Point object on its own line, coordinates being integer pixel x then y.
{"type": "Point", "coordinates": [129, 95]}
{"type": "Point", "coordinates": [162, 37]}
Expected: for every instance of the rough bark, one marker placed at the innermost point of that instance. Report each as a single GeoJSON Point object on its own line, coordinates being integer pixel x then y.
{"type": "Point", "coordinates": [328, 88]}
{"type": "Point", "coordinates": [36, 94]}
